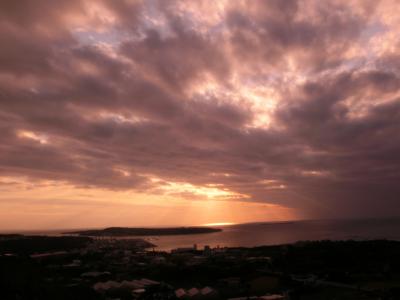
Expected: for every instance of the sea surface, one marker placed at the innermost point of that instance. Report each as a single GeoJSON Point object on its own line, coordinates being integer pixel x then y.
{"type": "Point", "coordinates": [258, 234]}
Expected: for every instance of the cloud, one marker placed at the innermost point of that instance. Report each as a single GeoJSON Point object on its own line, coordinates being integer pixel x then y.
{"type": "Point", "coordinates": [130, 95]}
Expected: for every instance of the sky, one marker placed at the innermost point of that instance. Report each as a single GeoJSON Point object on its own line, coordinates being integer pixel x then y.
{"type": "Point", "coordinates": [158, 113]}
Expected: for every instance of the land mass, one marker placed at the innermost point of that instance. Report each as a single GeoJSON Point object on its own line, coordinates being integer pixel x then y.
{"type": "Point", "coordinates": [126, 231]}
{"type": "Point", "coordinates": [20, 244]}
{"type": "Point", "coordinates": [76, 267]}
{"type": "Point", "coordinates": [31, 245]}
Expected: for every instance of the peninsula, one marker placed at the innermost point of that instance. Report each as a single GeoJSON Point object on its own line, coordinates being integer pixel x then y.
{"type": "Point", "coordinates": [127, 231]}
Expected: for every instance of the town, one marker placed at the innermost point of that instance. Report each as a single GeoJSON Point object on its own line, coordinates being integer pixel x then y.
{"type": "Point", "coordinates": [110, 268]}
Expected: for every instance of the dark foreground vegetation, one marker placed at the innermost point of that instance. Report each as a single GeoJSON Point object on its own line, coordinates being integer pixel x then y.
{"type": "Point", "coordinates": [125, 231]}
{"type": "Point", "coordinates": [26, 245]}
{"type": "Point", "coordinates": [84, 268]}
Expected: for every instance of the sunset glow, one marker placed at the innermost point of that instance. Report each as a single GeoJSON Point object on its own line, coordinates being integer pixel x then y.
{"type": "Point", "coordinates": [156, 113]}
{"type": "Point", "coordinates": [219, 224]}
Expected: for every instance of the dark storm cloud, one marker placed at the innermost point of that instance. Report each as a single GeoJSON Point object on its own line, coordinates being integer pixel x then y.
{"type": "Point", "coordinates": [95, 114]}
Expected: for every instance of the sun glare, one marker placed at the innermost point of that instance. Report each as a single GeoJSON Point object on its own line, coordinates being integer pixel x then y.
{"type": "Point", "coordinates": [219, 224]}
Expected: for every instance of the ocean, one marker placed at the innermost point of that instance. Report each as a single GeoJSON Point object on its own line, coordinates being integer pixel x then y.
{"type": "Point", "coordinates": [258, 234]}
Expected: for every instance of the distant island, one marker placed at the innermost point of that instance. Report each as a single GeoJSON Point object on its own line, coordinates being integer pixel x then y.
{"type": "Point", "coordinates": [126, 231]}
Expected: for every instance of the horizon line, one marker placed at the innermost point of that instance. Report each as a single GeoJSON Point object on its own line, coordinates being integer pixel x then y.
{"type": "Point", "coordinates": [216, 224]}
